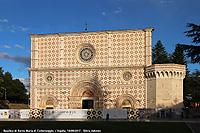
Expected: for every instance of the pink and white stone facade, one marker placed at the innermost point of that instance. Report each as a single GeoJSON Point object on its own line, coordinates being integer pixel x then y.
{"type": "Point", "coordinates": [105, 67]}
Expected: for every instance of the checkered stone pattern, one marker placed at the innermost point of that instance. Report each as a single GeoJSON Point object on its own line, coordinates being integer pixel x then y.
{"type": "Point", "coordinates": [94, 113]}
{"type": "Point", "coordinates": [114, 49]}
{"type": "Point", "coordinates": [36, 114]}
{"type": "Point", "coordinates": [128, 49]}
{"type": "Point", "coordinates": [113, 93]}
{"type": "Point", "coordinates": [133, 114]}
{"type": "Point", "coordinates": [71, 44]}
{"type": "Point", "coordinates": [33, 52]}
{"type": "Point", "coordinates": [105, 76]}
{"type": "Point", "coordinates": [61, 94]}
{"type": "Point", "coordinates": [117, 49]}
{"type": "Point", "coordinates": [49, 52]}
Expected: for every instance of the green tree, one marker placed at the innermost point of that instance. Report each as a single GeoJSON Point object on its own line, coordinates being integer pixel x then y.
{"type": "Point", "coordinates": [2, 89]}
{"type": "Point", "coordinates": [194, 84]}
{"type": "Point", "coordinates": [178, 56]}
{"type": "Point", "coordinates": [20, 91]}
{"type": "Point", "coordinates": [159, 55]}
{"type": "Point", "coordinates": [15, 89]}
{"type": "Point", "coordinates": [193, 51]}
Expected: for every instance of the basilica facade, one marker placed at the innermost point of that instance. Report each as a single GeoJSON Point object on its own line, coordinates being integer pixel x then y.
{"type": "Point", "coordinates": [101, 70]}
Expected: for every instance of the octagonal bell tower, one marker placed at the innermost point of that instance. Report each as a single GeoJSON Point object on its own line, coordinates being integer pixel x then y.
{"type": "Point", "coordinates": [165, 85]}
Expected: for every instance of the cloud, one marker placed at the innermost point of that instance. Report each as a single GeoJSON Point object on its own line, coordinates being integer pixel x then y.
{"type": "Point", "coordinates": [25, 81]}
{"type": "Point", "coordinates": [26, 60]}
{"type": "Point", "coordinates": [117, 11]}
{"type": "Point", "coordinates": [22, 28]}
{"type": "Point", "coordinates": [4, 20]}
{"type": "Point", "coordinates": [166, 1]}
{"type": "Point", "coordinates": [12, 31]}
{"type": "Point", "coordinates": [14, 28]}
{"type": "Point", "coordinates": [19, 46]}
{"type": "Point", "coordinates": [163, 2]}
{"type": "Point", "coordinates": [103, 13]}
{"type": "Point", "coordinates": [5, 46]}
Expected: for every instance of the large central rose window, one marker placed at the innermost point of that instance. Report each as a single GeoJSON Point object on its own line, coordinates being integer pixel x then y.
{"type": "Point", "coordinates": [86, 53]}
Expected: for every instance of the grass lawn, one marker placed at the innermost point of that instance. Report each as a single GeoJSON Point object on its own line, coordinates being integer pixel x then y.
{"type": "Point", "coordinates": [122, 127]}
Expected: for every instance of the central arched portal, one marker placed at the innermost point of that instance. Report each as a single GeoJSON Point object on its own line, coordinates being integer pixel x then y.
{"type": "Point", "coordinates": [86, 94]}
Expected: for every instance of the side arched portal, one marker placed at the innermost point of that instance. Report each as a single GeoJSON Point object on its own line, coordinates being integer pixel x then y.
{"type": "Point", "coordinates": [48, 102]}
{"type": "Point", "coordinates": [126, 101]}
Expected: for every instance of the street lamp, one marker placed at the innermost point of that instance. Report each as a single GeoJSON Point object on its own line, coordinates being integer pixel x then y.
{"type": "Point", "coordinates": [28, 97]}
{"type": "Point", "coordinates": [5, 93]}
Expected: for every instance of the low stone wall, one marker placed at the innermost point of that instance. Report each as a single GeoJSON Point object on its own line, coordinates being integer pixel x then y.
{"type": "Point", "coordinates": [99, 113]}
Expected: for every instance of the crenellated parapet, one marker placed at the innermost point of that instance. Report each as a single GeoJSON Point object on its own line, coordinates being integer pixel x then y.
{"type": "Point", "coordinates": [165, 85]}
{"type": "Point", "coordinates": [165, 71]}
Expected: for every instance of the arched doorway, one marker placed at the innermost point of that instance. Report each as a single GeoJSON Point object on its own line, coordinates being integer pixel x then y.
{"type": "Point", "coordinates": [125, 101]}
{"type": "Point", "coordinates": [86, 94]}
{"type": "Point", "coordinates": [126, 104]}
{"type": "Point", "coordinates": [48, 102]}
{"type": "Point", "coordinates": [87, 100]}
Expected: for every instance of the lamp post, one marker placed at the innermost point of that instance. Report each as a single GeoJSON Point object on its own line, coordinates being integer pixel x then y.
{"type": "Point", "coordinates": [28, 97]}
{"type": "Point", "coordinates": [5, 93]}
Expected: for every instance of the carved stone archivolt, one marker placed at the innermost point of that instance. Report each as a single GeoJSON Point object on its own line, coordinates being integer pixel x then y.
{"type": "Point", "coordinates": [48, 100]}
{"type": "Point", "coordinates": [85, 53]}
{"type": "Point", "coordinates": [125, 100]}
{"type": "Point", "coordinates": [85, 88]}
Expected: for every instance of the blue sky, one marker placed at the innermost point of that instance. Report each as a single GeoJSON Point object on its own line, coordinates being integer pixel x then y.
{"type": "Point", "coordinates": [18, 18]}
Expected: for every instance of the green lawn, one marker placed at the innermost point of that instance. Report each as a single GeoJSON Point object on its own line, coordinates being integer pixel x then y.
{"type": "Point", "coordinates": [122, 127]}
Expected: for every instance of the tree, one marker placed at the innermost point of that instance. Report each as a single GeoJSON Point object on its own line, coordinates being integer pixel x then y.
{"type": "Point", "coordinates": [15, 89]}
{"type": "Point", "coordinates": [178, 57]}
{"type": "Point", "coordinates": [159, 55]}
{"type": "Point", "coordinates": [193, 51]}
{"type": "Point", "coordinates": [2, 89]}
{"type": "Point", "coordinates": [194, 84]}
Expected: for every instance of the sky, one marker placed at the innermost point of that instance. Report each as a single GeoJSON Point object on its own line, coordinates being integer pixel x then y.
{"type": "Point", "coordinates": [18, 18]}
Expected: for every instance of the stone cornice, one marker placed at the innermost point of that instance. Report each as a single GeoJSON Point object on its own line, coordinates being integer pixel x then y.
{"type": "Point", "coordinates": [91, 33]}
{"type": "Point", "coordinates": [69, 86]}
{"type": "Point", "coordinates": [85, 68]}
{"type": "Point", "coordinates": [166, 67]}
